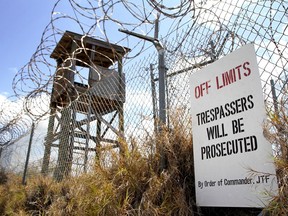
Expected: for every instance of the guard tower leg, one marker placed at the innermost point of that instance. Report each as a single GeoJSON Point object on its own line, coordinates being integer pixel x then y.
{"type": "Point", "coordinates": [65, 151]}
{"type": "Point", "coordinates": [48, 143]}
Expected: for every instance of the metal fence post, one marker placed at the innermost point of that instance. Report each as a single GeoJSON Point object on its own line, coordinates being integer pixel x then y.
{"type": "Point", "coordinates": [28, 155]}
{"type": "Point", "coordinates": [153, 95]}
{"type": "Point", "coordinates": [274, 97]}
{"type": "Point", "coordinates": [162, 85]}
{"type": "Point", "coordinates": [162, 103]}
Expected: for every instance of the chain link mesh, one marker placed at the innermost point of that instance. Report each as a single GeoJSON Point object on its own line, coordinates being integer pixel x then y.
{"type": "Point", "coordinates": [194, 35]}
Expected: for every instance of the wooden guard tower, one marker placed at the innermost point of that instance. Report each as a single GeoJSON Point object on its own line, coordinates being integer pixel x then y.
{"type": "Point", "coordinates": [75, 106]}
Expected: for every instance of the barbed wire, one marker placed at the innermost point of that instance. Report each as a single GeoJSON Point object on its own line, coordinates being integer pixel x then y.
{"type": "Point", "coordinates": [13, 122]}
{"type": "Point", "coordinates": [36, 77]}
{"type": "Point", "coordinates": [194, 34]}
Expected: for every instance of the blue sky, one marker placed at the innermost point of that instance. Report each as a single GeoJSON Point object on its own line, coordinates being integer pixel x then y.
{"type": "Point", "coordinates": [22, 23]}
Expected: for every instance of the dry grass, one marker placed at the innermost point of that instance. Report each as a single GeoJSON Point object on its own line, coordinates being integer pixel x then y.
{"type": "Point", "coordinates": [133, 184]}
{"type": "Point", "coordinates": [276, 131]}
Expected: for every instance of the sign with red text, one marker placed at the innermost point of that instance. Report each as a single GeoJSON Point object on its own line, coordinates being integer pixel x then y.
{"type": "Point", "coordinates": [233, 161]}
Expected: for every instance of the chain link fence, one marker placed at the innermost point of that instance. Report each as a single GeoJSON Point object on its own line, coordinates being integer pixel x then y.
{"type": "Point", "coordinates": [100, 117]}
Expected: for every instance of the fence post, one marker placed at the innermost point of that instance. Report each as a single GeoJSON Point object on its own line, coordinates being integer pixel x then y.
{"type": "Point", "coordinates": [28, 154]}
{"type": "Point", "coordinates": [153, 92]}
{"type": "Point", "coordinates": [162, 103]}
{"type": "Point", "coordinates": [162, 85]}
{"type": "Point", "coordinates": [274, 97]}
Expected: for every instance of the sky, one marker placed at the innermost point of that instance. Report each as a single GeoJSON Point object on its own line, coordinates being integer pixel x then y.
{"type": "Point", "coordinates": [22, 23]}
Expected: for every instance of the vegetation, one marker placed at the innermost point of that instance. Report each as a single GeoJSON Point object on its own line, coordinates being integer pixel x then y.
{"type": "Point", "coordinates": [133, 184]}
{"type": "Point", "coordinates": [276, 132]}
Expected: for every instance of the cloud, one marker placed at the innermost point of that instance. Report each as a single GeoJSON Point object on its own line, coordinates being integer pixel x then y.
{"type": "Point", "coordinates": [13, 113]}
{"type": "Point", "coordinates": [14, 70]}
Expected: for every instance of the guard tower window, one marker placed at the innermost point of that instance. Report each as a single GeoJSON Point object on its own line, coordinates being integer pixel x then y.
{"type": "Point", "coordinates": [81, 75]}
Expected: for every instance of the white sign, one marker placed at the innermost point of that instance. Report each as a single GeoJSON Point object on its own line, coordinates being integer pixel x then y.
{"type": "Point", "coordinates": [227, 115]}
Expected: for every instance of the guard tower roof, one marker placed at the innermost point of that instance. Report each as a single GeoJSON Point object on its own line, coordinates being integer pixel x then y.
{"type": "Point", "coordinates": [105, 53]}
